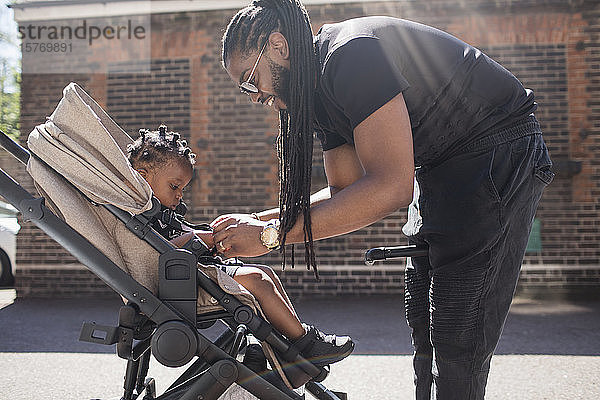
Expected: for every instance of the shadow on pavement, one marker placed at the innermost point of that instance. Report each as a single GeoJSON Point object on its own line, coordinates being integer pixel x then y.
{"type": "Point", "coordinates": [376, 324]}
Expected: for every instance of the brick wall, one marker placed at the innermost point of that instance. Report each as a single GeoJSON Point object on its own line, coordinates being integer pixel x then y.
{"type": "Point", "coordinates": [551, 45]}
{"type": "Point", "coordinates": [145, 100]}
{"type": "Point", "coordinates": [74, 280]}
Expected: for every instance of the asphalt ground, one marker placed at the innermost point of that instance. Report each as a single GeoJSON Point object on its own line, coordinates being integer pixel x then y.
{"type": "Point", "coordinates": [549, 350]}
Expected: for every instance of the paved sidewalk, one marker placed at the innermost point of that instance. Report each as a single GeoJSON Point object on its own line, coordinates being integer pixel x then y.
{"type": "Point", "coordinates": [549, 350]}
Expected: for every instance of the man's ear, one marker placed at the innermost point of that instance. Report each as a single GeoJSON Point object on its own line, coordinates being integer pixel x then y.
{"type": "Point", "coordinates": [143, 172]}
{"type": "Point", "coordinates": [280, 50]}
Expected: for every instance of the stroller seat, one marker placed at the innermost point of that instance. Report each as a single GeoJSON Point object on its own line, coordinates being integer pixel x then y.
{"type": "Point", "coordinates": [100, 209]}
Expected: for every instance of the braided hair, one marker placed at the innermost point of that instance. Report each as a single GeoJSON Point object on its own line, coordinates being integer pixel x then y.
{"type": "Point", "coordinates": [247, 32]}
{"type": "Point", "coordinates": [154, 149]}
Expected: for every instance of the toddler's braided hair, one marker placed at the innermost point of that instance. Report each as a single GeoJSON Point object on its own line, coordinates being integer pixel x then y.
{"type": "Point", "coordinates": [154, 149]}
{"type": "Point", "coordinates": [247, 32]}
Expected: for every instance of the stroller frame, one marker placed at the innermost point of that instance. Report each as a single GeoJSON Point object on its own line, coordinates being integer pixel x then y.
{"type": "Point", "coordinates": [152, 325]}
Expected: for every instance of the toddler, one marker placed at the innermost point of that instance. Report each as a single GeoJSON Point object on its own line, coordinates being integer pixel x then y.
{"type": "Point", "coordinates": [166, 162]}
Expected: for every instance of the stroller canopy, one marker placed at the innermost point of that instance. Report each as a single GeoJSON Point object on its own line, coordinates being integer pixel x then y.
{"type": "Point", "coordinates": [69, 142]}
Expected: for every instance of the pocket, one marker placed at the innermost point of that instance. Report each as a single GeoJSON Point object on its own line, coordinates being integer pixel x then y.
{"type": "Point", "coordinates": [543, 165]}
{"type": "Point", "coordinates": [500, 171]}
{"type": "Point", "coordinates": [545, 174]}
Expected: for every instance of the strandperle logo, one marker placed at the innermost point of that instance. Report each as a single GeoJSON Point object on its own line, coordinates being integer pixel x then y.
{"type": "Point", "coordinates": [87, 45]}
{"type": "Point", "coordinates": [84, 31]}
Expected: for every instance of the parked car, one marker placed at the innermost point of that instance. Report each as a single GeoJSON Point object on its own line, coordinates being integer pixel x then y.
{"type": "Point", "coordinates": [9, 227]}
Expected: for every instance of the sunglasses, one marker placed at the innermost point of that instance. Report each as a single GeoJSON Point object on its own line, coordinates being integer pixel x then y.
{"type": "Point", "coordinates": [247, 86]}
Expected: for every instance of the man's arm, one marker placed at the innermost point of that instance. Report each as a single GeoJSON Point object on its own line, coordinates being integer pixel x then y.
{"type": "Point", "coordinates": [272, 213]}
{"type": "Point", "coordinates": [348, 171]}
{"type": "Point", "coordinates": [367, 182]}
{"type": "Point", "coordinates": [370, 180]}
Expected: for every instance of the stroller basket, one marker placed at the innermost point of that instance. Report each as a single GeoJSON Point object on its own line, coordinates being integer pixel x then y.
{"type": "Point", "coordinates": [168, 325]}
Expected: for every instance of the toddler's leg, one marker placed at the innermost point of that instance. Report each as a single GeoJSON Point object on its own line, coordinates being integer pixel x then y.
{"type": "Point", "coordinates": [274, 303]}
{"type": "Point", "coordinates": [269, 271]}
{"type": "Point", "coordinates": [314, 345]}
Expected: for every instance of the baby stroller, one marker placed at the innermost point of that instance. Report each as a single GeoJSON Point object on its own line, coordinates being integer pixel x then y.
{"type": "Point", "coordinates": [101, 210]}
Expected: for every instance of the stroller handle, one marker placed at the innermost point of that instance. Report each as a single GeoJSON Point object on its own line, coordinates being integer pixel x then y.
{"type": "Point", "coordinates": [384, 253]}
{"type": "Point", "coordinates": [14, 148]}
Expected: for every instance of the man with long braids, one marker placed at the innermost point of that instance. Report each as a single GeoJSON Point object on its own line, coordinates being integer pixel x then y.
{"type": "Point", "coordinates": [398, 106]}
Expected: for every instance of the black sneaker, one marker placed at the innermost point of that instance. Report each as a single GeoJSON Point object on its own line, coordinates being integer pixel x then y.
{"type": "Point", "coordinates": [255, 358]}
{"type": "Point", "coordinates": [321, 349]}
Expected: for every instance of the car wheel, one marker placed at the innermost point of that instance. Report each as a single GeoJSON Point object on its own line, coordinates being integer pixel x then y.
{"type": "Point", "coordinates": [6, 275]}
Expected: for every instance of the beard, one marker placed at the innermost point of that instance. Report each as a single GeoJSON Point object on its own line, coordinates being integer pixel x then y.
{"type": "Point", "coordinates": [281, 81]}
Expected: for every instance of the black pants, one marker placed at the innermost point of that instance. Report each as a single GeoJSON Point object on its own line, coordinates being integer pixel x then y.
{"type": "Point", "coordinates": [475, 212]}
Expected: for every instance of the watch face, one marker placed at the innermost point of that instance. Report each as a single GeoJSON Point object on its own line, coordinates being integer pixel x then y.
{"type": "Point", "coordinates": [270, 236]}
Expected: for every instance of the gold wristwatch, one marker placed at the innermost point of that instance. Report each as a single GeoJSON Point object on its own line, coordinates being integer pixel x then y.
{"type": "Point", "coordinates": [269, 236]}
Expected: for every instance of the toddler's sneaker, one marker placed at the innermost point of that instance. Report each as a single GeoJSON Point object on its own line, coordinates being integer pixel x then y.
{"type": "Point", "coordinates": [255, 358]}
{"type": "Point", "coordinates": [322, 349]}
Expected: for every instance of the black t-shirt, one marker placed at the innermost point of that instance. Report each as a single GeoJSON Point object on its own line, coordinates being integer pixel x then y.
{"type": "Point", "coordinates": [454, 93]}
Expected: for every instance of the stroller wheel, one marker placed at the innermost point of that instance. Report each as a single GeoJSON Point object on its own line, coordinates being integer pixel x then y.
{"type": "Point", "coordinates": [6, 276]}
{"type": "Point", "coordinates": [174, 344]}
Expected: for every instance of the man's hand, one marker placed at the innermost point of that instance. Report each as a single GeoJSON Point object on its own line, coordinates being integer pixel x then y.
{"type": "Point", "coordinates": [238, 235]}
